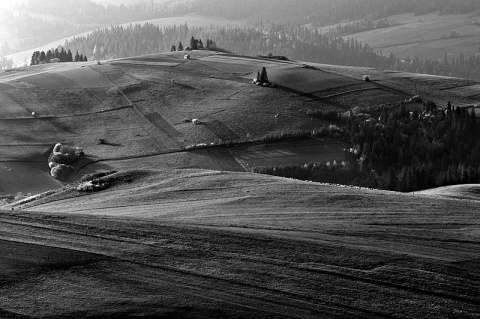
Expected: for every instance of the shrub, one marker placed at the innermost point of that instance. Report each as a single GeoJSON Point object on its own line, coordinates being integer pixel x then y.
{"type": "Point", "coordinates": [91, 186]}
{"type": "Point", "coordinates": [61, 171]}
{"type": "Point", "coordinates": [90, 177]}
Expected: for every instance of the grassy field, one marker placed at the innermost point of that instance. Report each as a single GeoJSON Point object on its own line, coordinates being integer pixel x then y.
{"type": "Point", "coordinates": [194, 243]}
{"type": "Point", "coordinates": [140, 109]}
{"type": "Point", "coordinates": [190, 233]}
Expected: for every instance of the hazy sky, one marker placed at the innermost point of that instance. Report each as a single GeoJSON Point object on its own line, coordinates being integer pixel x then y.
{"type": "Point", "coordinates": [9, 3]}
{"type": "Point", "coordinates": [6, 3]}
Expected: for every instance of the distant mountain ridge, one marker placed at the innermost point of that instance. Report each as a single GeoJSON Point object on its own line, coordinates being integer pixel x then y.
{"type": "Point", "coordinates": [66, 19]}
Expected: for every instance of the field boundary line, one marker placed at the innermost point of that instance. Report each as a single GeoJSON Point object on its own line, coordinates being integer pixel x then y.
{"type": "Point", "coordinates": [347, 92]}
{"type": "Point", "coordinates": [65, 116]}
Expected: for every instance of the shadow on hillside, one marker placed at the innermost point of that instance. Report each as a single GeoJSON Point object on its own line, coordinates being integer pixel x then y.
{"type": "Point", "coordinates": [88, 165]}
{"type": "Point", "coordinates": [185, 86]}
{"type": "Point", "coordinates": [109, 143]}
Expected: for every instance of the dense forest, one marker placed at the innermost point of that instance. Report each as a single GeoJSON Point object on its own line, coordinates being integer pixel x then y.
{"type": "Point", "coordinates": [320, 12]}
{"type": "Point", "coordinates": [395, 149]}
{"type": "Point", "coordinates": [295, 42]}
{"type": "Point", "coordinates": [29, 24]}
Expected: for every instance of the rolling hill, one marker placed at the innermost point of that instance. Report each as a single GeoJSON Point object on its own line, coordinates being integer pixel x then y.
{"type": "Point", "coordinates": [189, 232]}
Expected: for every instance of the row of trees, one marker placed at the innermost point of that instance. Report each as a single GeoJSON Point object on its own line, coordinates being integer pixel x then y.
{"type": "Point", "coordinates": [56, 55]}
{"type": "Point", "coordinates": [195, 44]}
{"type": "Point", "coordinates": [403, 151]}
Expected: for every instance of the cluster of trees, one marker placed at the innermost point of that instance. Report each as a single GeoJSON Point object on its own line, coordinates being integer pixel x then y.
{"type": "Point", "coordinates": [195, 44]}
{"type": "Point", "coordinates": [56, 55]}
{"type": "Point", "coordinates": [403, 151]}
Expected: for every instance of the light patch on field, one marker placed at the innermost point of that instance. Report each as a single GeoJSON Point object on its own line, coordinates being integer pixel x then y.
{"type": "Point", "coordinates": [50, 81]}
{"type": "Point", "coordinates": [145, 63]}
{"type": "Point", "coordinates": [239, 60]}
{"type": "Point", "coordinates": [10, 109]}
{"type": "Point", "coordinates": [85, 77]}
{"type": "Point", "coordinates": [240, 65]}
{"type": "Point", "coordinates": [307, 80]}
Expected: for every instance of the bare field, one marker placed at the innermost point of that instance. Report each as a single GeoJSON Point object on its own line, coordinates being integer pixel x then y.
{"type": "Point", "coordinates": [320, 150]}
{"type": "Point", "coordinates": [10, 109]}
{"type": "Point", "coordinates": [190, 243]}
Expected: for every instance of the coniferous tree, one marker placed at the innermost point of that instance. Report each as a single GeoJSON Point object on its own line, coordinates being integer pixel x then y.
{"type": "Point", "coordinates": [193, 43]}
{"type": "Point", "coordinates": [180, 46]}
{"type": "Point", "coordinates": [48, 56]}
{"type": "Point", "coordinates": [35, 58]}
{"type": "Point", "coordinates": [263, 76]}
{"type": "Point", "coordinates": [173, 48]}
{"type": "Point", "coordinates": [69, 56]}
{"type": "Point", "coordinates": [63, 55]}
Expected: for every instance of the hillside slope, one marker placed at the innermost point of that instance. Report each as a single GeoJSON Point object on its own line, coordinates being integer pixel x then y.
{"type": "Point", "coordinates": [140, 107]}
{"type": "Point", "coordinates": [196, 243]}
{"type": "Point", "coordinates": [190, 233]}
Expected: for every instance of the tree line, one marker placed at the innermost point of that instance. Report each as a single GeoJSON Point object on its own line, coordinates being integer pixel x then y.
{"type": "Point", "coordinates": [56, 55]}
{"type": "Point", "coordinates": [395, 149]}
